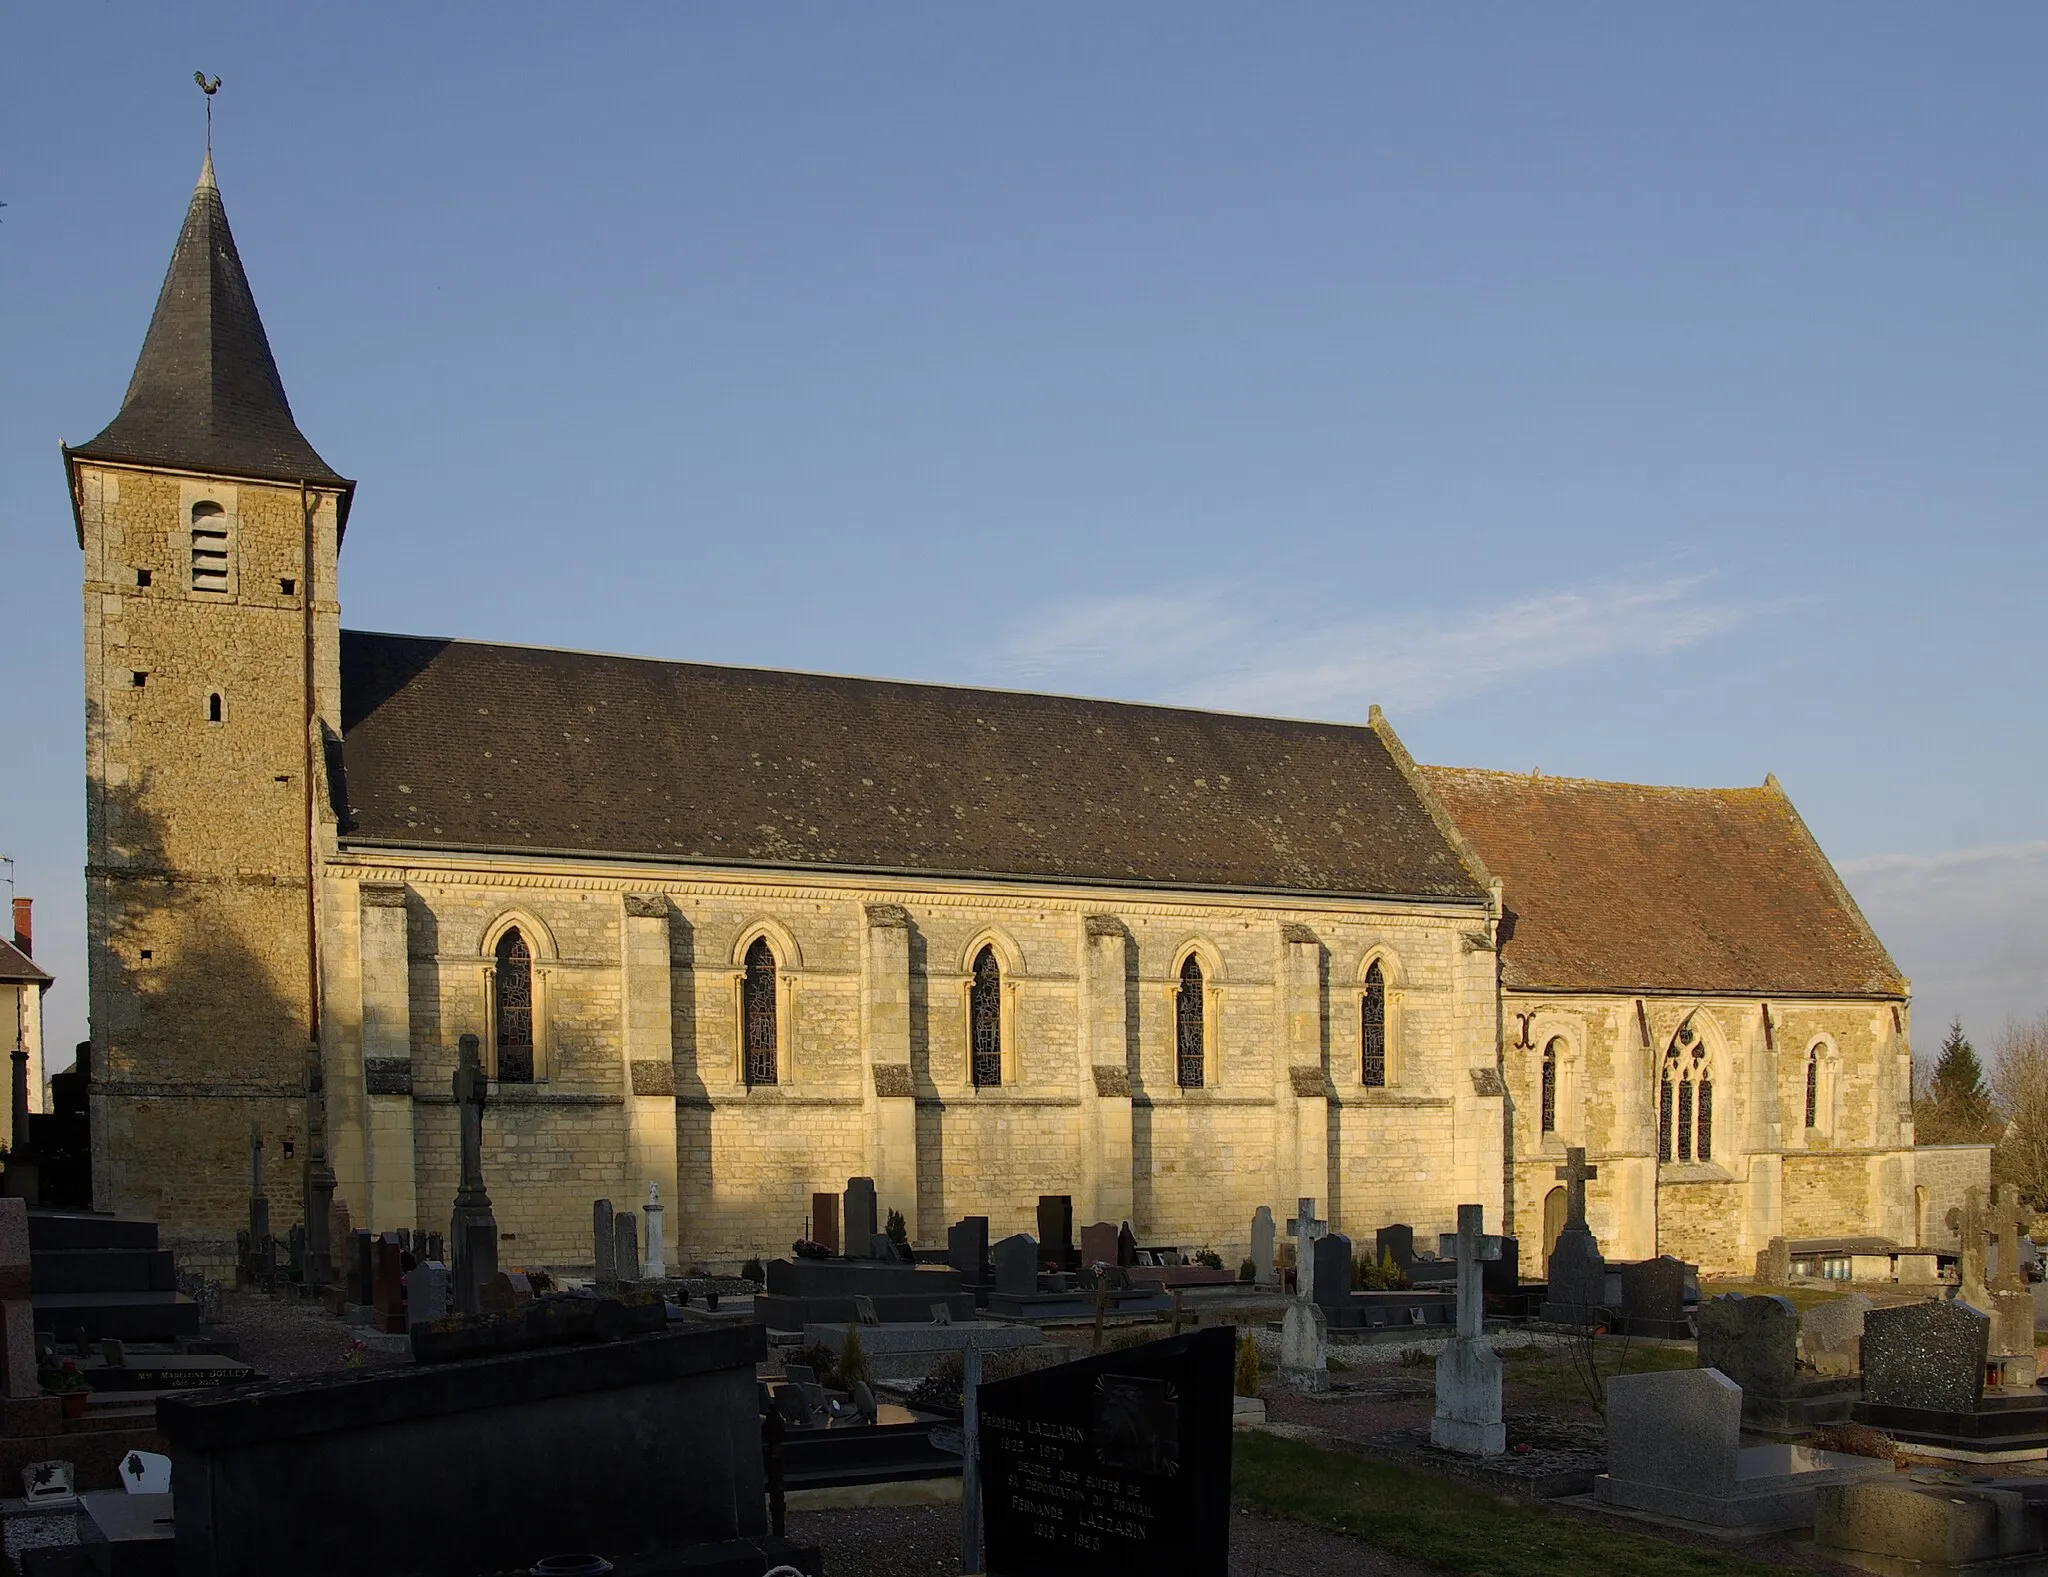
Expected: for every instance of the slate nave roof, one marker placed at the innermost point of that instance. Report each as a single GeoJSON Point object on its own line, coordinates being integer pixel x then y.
{"type": "Point", "coordinates": [458, 745]}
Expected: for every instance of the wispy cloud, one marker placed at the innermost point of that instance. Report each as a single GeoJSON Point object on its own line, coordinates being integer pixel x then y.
{"type": "Point", "coordinates": [1962, 925]}
{"type": "Point", "coordinates": [1226, 646]}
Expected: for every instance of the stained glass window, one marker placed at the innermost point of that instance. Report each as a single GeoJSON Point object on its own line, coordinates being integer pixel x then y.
{"type": "Point", "coordinates": [985, 1017]}
{"type": "Point", "coordinates": [514, 987]}
{"type": "Point", "coordinates": [1812, 1087]}
{"type": "Point", "coordinates": [1188, 1036]}
{"type": "Point", "coordinates": [1549, 1115]}
{"type": "Point", "coordinates": [1685, 1119]}
{"type": "Point", "coordinates": [757, 1008]}
{"type": "Point", "coordinates": [1703, 1143]}
{"type": "Point", "coordinates": [1664, 1118]}
{"type": "Point", "coordinates": [1372, 1028]}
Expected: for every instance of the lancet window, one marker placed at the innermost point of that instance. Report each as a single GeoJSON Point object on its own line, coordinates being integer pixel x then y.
{"type": "Point", "coordinates": [513, 983]}
{"type": "Point", "coordinates": [1190, 1039]}
{"type": "Point", "coordinates": [985, 1019]}
{"type": "Point", "coordinates": [758, 1013]}
{"type": "Point", "coordinates": [1372, 1028]}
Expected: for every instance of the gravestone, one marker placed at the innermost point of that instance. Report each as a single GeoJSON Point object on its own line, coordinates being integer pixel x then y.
{"type": "Point", "coordinates": [1016, 1266]}
{"type": "Point", "coordinates": [426, 1293]}
{"type": "Point", "coordinates": [434, 1247]}
{"type": "Point", "coordinates": [1468, 1416]}
{"type": "Point", "coordinates": [362, 1268]}
{"type": "Point", "coordinates": [1503, 1273]}
{"type": "Point", "coordinates": [604, 1245]}
{"type": "Point", "coordinates": [1831, 1334]}
{"type": "Point", "coordinates": [1926, 1355]}
{"type": "Point", "coordinates": [1753, 1341]}
{"type": "Point", "coordinates": [2012, 1302]}
{"type": "Point", "coordinates": [1653, 1298]}
{"type": "Point", "coordinates": [1774, 1264]}
{"type": "Point", "coordinates": [472, 1228]}
{"type": "Point", "coordinates": [1397, 1240]}
{"type": "Point", "coordinates": [1674, 1448]}
{"type": "Point", "coordinates": [1305, 1229]}
{"type": "Point", "coordinates": [1126, 1246]}
{"type": "Point", "coordinates": [1576, 1272]}
{"type": "Point", "coordinates": [1967, 1222]}
{"type": "Point", "coordinates": [862, 1227]}
{"type": "Point", "coordinates": [339, 1230]}
{"type": "Point", "coordinates": [1055, 1232]}
{"type": "Point", "coordinates": [1262, 1247]}
{"type": "Point", "coordinates": [1330, 1285]}
{"type": "Point", "coordinates": [1098, 1244]}
{"type": "Point", "coordinates": [626, 1256]}
{"type": "Point", "coordinates": [388, 1284]}
{"type": "Point", "coordinates": [967, 1248]}
{"type": "Point", "coordinates": [509, 1290]}
{"type": "Point", "coordinates": [656, 1267]}
{"type": "Point", "coordinates": [295, 1254]}
{"type": "Point", "coordinates": [18, 1376]}
{"type": "Point", "coordinates": [825, 1221]}
{"type": "Point", "coordinates": [1111, 1465]}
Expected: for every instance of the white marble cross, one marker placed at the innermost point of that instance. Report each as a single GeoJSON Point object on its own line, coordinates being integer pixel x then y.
{"type": "Point", "coordinates": [1305, 1229]}
{"type": "Point", "coordinates": [1471, 1246]}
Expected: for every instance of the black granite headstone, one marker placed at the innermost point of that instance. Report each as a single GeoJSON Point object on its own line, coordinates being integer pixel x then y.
{"type": "Point", "coordinates": [1503, 1275]}
{"type": "Point", "coordinates": [1653, 1297]}
{"type": "Point", "coordinates": [1398, 1240]}
{"type": "Point", "coordinates": [1928, 1355]}
{"type": "Point", "coordinates": [1753, 1341]}
{"type": "Point", "coordinates": [1112, 1465]}
{"type": "Point", "coordinates": [1333, 1270]}
{"type": "Point", "coordinates": [362, 1266]}
{"type": "Point", "coordinates": [861, 1225]}
{"type": "Point", "coordinates": [1056, 1232]}
{"type": "Point", "coordinates": [1126, 1245]}
{"type": "Point", "coordinates": [1016, 1265]}
{"type": "Point", "coordinates": [967, 1248]}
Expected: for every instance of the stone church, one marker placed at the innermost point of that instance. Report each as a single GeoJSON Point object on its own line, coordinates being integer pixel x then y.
{"type": "Point", "coordinates": [744, 933]}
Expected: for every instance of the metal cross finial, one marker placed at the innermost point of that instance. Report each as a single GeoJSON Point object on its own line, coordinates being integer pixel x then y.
{"type": "Point", "coordinates": [209, 89]}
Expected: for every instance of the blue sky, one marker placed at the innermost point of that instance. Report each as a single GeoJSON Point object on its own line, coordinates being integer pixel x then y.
{"type": "Point", "coordinates": [1620, 390]}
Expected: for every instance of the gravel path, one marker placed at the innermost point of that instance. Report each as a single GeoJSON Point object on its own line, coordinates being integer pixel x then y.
{"type": "Point", "coordinates": [285, 1339]}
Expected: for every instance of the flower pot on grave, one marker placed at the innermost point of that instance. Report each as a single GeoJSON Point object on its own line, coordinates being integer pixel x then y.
{"type": "Point", "coordinates": [74, 1403]}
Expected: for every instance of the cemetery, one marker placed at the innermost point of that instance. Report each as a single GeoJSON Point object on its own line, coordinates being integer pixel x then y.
{"type": "Point", "coordinates": [1054, 1400]}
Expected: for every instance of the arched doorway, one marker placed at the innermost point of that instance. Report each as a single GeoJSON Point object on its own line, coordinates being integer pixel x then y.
{"type": "Point", "coordinates": [1553, 1223]}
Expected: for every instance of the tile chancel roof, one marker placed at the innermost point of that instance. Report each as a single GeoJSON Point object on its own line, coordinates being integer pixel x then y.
{"type": "Point", "coordinates": [1621, 887]}
{"type": "Point", "coordinates": [465, 746]}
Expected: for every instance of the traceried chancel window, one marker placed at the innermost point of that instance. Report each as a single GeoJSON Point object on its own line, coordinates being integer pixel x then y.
{"type": "Point", "coordinates": [757, 1013]}
{"type": "Point", "coordinates": [1190, 1040]}
{"type": "Point", "coordinates": [513, 984]}
{"type": "Point", "coordinates": [1372, 1028]}
{"type": "Point", "coordinates": [1685, 1101]}
{"type": "Point", "coordinates": [985, 1020]}
{"type": "Point", "coordinates": [1551, 1052]}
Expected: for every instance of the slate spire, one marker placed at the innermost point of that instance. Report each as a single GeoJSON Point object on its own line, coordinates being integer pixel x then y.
{"type": "Point", "coordinates": [206, 395]}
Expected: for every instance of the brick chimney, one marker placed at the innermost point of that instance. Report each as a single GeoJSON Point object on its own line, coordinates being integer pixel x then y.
{"type": "Point", "coordinates": [24, 928]}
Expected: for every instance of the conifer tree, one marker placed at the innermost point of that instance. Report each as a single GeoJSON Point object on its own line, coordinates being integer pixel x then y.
{"type": "Point", "coordinates": [1955, 1107]}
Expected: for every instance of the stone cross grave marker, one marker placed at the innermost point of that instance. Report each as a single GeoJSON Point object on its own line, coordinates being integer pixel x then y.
{"type": "Point", "coordinates": [604, 1243]}
{"type": "Point", "coordinates": [1262, 1246]}
{"type": "Point", "coordinates": [1305, 1229]}
{"type": "Point", "coordinates": [1468, 1416]}
{"type": "Point", "coordinates": [474, 1230]}
{"type": "Point", "coordinates": [1575, 1175]}
{"type": "Point", "coordinates": [656, 1266]}
{"type": "Point", "coordinates": [2010, 1219]}
{"type": "Point", "coordinates": [1967, 1222]}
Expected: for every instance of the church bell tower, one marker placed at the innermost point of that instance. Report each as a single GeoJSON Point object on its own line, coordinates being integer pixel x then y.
{"type": "Point", "coordinates": [211, 531]}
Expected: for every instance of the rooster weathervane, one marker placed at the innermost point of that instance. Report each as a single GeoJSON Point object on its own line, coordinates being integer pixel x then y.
{"type": "Point", "coordinates": [209, 89]}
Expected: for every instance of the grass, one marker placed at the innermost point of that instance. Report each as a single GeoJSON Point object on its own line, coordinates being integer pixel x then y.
{"type": "Point", "coordinates": [1548, 1372]}
{"type": "Point", "coordinates": [1447, 1524]}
